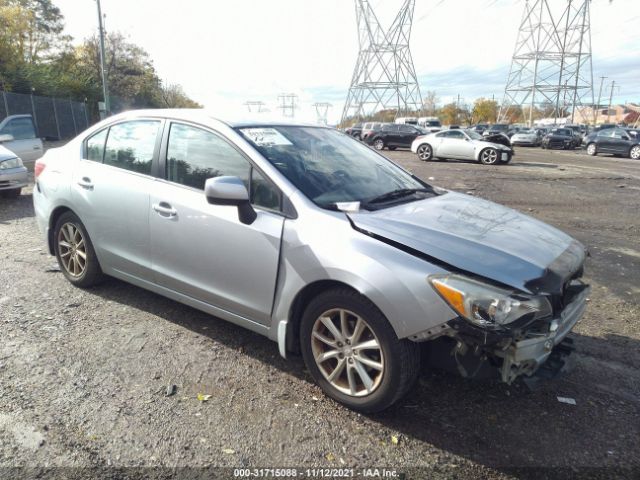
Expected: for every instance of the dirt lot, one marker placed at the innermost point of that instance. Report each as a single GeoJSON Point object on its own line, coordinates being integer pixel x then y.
{"type": "Point", "coordinates": [83, 374]}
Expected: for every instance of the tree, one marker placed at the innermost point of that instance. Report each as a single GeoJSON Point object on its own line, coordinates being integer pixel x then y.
{"type": "Point", "coordinates": [430, 103]}
{"type": "Point", "coordinates": [173, 96]}
{"type": "Point", "coordinates": [485, 110]}
{"type": "Point", "coordinates": [449, 114]}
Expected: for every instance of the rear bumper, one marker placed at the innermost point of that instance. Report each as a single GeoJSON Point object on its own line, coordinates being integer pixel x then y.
{"type": "Point", "coordinates": [13, 178]}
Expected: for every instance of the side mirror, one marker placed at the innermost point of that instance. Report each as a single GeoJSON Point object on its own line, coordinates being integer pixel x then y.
{"type": "Point", "coordinates": [6, 137]}
{"type": "Point", "coordinates": [230, 191]}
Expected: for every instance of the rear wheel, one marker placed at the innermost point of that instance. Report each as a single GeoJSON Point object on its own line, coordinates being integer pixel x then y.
{"type": "Point", "coordinates": [378, 144]}
{"type": "Point", "coordinates": [592, 149]}
{"type": "Point", "coordinates": [425, 152]}
{"type": "Point", "coordinates": [489, 156]}
{"type": "Point", "coordinates": [635, 152]}
{"type": "Point", "coordinates": [74, 251]}
{"type": "Point", "coordinates": [353, 353]}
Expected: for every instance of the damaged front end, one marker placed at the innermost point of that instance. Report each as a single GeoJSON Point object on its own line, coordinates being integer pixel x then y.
{"type": "Point", "coordinates": [511, 332]}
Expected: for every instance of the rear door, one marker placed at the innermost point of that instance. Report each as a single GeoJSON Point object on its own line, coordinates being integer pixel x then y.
{"type": "Point", "coordinates": [620, 141]}
{"type": "Point", "coordinates": [25, 143]}
{"type": "Point", "coordinates": [111, 188]}
{"type": "Point", "coordinates": [202, 250]}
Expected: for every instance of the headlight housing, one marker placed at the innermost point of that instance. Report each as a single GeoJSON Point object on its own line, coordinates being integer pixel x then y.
{"type": "Point", "coordinates": [10, 163]}
{"type": "Point", "coordinates": [487, 306]}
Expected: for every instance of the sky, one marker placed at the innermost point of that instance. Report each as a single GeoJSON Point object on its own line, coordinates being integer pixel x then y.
{"type": "Point", "coordinates": [227, 52]}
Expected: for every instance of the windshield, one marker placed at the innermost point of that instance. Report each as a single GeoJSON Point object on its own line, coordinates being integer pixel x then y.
{"type": "Point", "coordinates": [474, 135]}
{"type": "Point", "coordinates": [328, 166]}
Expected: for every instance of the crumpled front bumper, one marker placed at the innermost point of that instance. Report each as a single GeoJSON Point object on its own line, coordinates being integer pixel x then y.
{"type": "Point", "coordinates": [524, 357]}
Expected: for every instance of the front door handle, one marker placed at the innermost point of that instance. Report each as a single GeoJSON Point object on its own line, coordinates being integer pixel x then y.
{"type": "Point", "coordinates": [85, 183]}
{"type": "Point", "coordinates": [163, 208]}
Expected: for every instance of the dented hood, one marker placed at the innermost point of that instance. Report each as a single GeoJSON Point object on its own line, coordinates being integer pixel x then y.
{"type": "Point", "coordinates": [483, 238]}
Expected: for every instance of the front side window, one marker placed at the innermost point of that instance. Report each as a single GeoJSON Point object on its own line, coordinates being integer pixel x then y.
{"type": "Point", "coordinates": [329, 167]}
{"type": "Point", "coordinates": [20, 129]}
{"type": "Point", "coordinates": [130, 145]}
{"type": "Point", "coordinates": [457, 134]}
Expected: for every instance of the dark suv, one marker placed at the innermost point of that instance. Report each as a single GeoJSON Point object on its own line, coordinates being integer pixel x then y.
{"type": "Point", "coordinates": [393, 135]}
{"type": "Point", "coordinates": [355, 130]}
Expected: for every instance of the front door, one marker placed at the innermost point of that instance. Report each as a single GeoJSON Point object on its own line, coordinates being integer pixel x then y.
{"type": "Point", "coordinates": [25, 144]}
{"type": "Point", "coordinates": [456, 145]}
{"type": "Point", "coordinates": [202, 250]}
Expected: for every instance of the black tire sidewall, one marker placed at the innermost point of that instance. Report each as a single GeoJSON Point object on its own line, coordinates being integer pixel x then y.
{"type": "Point", "coordinates": [92, 272]}
{"type": "Point", "coordinates": [385, 394]}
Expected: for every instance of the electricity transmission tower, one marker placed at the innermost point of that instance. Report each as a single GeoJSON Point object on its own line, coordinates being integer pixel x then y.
{"type": "Point", "coordinates": [322, 111]}
{"type": "Point", "coordinates": [551, 71]}
{"type": "Point", "coordinates": [384, 77]}
{"type": "Point", "coordinates": [254, 106]}
{"type": "Point", "coordinates": [288, 104]}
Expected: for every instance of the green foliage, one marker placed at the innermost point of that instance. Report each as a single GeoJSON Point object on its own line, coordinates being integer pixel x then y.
{"type": "Point", "coordinates": [37, 57]}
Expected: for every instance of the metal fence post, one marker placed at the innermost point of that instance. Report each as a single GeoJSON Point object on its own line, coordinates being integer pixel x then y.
{"type": "Point", "coordinates": [55, 115]}
{"type": "Point", "coordinates": [6, 104]}
{"type": "Point", "coordinates": [86, 117]}
{"type": "Point", "coordinates": [73, 117]}
{"type": "Point", "coordinates": [35, 117]}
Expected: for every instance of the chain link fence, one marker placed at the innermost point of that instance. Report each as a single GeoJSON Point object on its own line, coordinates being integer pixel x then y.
{"type": "Point", "coordinates": [55, 118]}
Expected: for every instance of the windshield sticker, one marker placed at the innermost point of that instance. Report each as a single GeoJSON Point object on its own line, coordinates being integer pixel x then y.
{"type": "Point", "coordinates": [266, 137]}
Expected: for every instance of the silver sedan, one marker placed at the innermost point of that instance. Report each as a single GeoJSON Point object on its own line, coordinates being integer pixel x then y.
{"type": "Point", "coordinates": [309, 237]}
{"type": "Point", "coordinates": [460, 145]}
{"type": "Point", "coordinates": [13, 174]}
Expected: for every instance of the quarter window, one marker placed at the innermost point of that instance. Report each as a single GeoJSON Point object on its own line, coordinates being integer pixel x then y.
{"type": "Point", "coordinates": [130, 145]}
{"type": "Point", "coordinates": [95, 146]}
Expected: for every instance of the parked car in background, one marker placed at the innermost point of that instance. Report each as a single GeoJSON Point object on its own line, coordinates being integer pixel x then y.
{"type": "Point", "coordinates": [460, 145]}
{"type": "Point", "coordinates": [430, 124]}
{"type": "Point", "coordinates": [603, 126]}
{"type": "Point", "coordinates": [18, 134]}
{"type": "Point", "coordinates": [617, 141]}
{"type": "Point", "coordinates": [479, 128]}
{"type": "Point", "coordinates": [559, 138]}
{"type": "Point", "coordinates": [13, 174]}
{"type": "Point", "coordinates": [394, 135]}
{"type": "Point", "coordinates": [513, 130]}
{"type": "Point", "coordinates": [234, 219]}
{"type": "Point", "coordinates": [355, 131]}
{"type": "Point", "coordinates": [528, 137]}
{"type": "Point", "coordinates": [368, 129]}
{"type": "Point", "coordinates": [497, 128]}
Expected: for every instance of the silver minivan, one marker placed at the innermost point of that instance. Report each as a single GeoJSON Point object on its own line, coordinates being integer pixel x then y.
{"type": "Point", "coordinates": [309, 237]}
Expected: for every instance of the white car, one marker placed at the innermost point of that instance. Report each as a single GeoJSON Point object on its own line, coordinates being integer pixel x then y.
{"type": "Point", "coordinates": [461, 145]}
{"type": "Point", "coordinates": [526, 137]}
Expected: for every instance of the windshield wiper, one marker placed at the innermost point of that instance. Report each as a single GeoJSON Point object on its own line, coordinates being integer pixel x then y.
{"type": "Point", "coordinates": [394, 195]}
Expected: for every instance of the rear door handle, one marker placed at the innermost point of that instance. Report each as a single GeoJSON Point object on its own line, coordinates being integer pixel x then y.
{"type": "Point", "coordinates": [163, 208]}
{"type": "Point", "coordinates": [86, 183]}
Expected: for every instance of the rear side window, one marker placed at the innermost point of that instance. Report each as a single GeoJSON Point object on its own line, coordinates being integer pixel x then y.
{"type": "Point", "coordinates": [20, 129]}
{"type": "Point", "coordinates": [95, 146]}
{"type": "Point", "coordinates": [130, 145]}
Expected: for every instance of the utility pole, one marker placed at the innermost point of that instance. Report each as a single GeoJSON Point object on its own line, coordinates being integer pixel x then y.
{"type": "Point", "coordinates": [597, 107]}
{"type": "Point", "coordinates": [613, 85]}
{"type": "Point", "coordinates": [288, 104]}
{"type": "Point", "coordinates": [322, 112]}
{"type": "Point", "coordinates": [105, 86]}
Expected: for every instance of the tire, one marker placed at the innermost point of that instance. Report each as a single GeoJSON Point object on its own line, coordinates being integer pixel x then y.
{"type": "Point", "coordinates": [634, 153]}
{"type": "Point", "coordinates": [13, 193]}
{"type": "Point", "coordinates": [592, 149]}
{"type": "Point", "coordinates": [425, 152]}
{"type": "Point", "coordinates": [378, 144]}
{"type": "Point", "coordinates": [392, 366]}
{"type": "Point", "coordinates": [489, 156]}
{"type": "Point", "coordinates": [70, 242]}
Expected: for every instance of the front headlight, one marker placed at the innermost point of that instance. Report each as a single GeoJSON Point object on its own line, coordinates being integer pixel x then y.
{"type": "Point", "coordinates": [488, 306]}
{"type": "Point", "coordinates": [11, 163]}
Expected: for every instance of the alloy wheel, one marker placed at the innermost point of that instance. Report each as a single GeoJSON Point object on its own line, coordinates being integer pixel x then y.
{"type": "Point", "coordinates": [378, 144]}
{"type": "Point", "coordinates": [635, 152]}
{"type": "Point", "coordinates": [347, 352]}
{"type": "Point", "coordinates": [72, 248]}
{"type": "Point", "coordinates": [489, 156]}
{"type": "Point", "coordinates": [591, 149]}
{"type": "Point", "coordinates": [424, 152]}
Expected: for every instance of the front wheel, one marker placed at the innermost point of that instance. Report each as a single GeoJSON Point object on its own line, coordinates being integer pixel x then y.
{"type": "Point", "coordinates": [489, 156]}
{"type": "Point", "coordinates": [634, 153]}
{"type": "Point", "coordinates": [378, 144]}
{"type": "Point", "coordinates": [353, 353]}
{"type": "Point", "coordinates": [592, 149]}
{"type": "Point", "coordinates": [425, 152]}
{"type": "Point", "coordinates": [74, 252]}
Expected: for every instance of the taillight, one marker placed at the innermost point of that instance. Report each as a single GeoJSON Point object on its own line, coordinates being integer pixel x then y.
{"type": "Point", "coordinates": [38, 168]}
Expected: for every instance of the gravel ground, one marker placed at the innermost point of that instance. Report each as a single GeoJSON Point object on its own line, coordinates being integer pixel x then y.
{"type": "Point", "coordinates": [84, 374]}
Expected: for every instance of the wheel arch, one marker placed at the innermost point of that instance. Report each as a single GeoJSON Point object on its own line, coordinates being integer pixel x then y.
{"type": "Point", "coordinates": [53, 218]}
